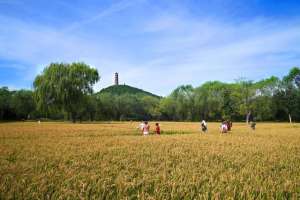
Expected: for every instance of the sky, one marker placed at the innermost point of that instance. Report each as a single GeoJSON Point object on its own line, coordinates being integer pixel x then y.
{"type": "Point", "coordinates": [155, 45]}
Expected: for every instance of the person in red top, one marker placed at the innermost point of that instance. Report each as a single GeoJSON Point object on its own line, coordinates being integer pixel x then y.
{"type": "Point", "coordinates": [157, 130]}
{"type": "Point", "coordinates": [229, 125]}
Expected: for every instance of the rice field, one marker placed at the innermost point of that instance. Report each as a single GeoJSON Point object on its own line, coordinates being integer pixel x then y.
{"type": "Point", "coordinates": [114, 161]}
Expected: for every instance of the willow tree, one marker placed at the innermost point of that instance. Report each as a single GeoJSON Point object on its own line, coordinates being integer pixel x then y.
{"type": "Point", "coordinates": [64, 86]}
{"type": "Point", "coordinates": [290, 93]}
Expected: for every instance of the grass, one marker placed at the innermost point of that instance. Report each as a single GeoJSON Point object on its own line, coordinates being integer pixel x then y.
{"type": "Point", "coordinates": [114, 161]}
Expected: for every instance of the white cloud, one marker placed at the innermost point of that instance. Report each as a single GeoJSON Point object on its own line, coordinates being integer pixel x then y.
{"type": "Point", "coordinates": [208, 50]}
{"type": "Point", "coordinates": [37, 46]}
{"type": "Point", "coordinates": [173, 49]}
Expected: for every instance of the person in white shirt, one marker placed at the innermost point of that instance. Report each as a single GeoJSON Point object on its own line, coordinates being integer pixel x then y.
{"type": "Point", "coordinates": [203, 126]}
{"type": "Point", "coordinates": [224, 127]}
{"type": "Point", "coordinates": [141, 126]}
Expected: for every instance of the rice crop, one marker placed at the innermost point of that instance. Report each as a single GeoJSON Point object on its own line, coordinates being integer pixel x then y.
{"type": "Point", "coordinates": [112, 160]}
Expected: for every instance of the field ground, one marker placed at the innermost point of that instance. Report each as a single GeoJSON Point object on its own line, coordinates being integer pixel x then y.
{"type": "Point", "coordinates": [113, 161]}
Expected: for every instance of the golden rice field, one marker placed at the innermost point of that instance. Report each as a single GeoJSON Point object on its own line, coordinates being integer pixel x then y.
{"type": "Point", "coordinates": [113, 161]}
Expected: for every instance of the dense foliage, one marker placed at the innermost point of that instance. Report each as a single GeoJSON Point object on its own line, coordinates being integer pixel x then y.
{"type": "Point", "coordinates": [121, 89]}
{"type": "Point", "coordinates": [65, 87]}
{"type": "Point", "coordinates": [64, 91]}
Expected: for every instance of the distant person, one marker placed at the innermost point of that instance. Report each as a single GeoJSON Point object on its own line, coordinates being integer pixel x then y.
{"type": "Point", "coordinates": [146, 128]}
{"type": "Point", "coordinates": [141, 126]}
{"type": "Point", "coordinates": [224, 127]}
{"type": "Point", "coordinates": [203, 126]}
{"type": "Point", "coordinates": [157, 128]}
{"type": "Point", "coordinates": [229, 125]}
{"type": "Point", "coordinates": [253, 125]}
{"type": "Point", "coordinates": [249, 117]}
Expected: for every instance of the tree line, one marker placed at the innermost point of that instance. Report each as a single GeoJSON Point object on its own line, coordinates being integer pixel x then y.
{"type": "Point", "coordinates": [64, 92]}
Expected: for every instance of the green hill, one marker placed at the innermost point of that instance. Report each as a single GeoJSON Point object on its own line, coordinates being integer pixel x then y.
{"type": "Point", "coordinates": [126, 89]}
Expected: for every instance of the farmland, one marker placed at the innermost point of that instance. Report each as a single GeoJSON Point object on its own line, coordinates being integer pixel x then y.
{"type": "Point", "coordinates": [113, 161]}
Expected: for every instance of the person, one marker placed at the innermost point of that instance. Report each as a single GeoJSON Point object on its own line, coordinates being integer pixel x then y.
{"type": "Point", "coordinates": [252, 125]}
{"type": "Point", "coordinates": [157, 129]}
{"type": "Point", "coordinates": [203, 126]}
{"type": "Point", "coordinates": [249, 117]}
{"type": "Point", "coordinates": [229, 125]}
{"type": "Point", "coordinates": [146, 128]}
{"type": "Point", "coordinates": [141, 126]}
{"type": "Point", "coordinates": [224, 127]}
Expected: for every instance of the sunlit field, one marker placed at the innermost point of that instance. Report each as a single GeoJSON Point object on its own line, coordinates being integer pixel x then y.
{"type": "Point", "coordinates": [114, 161]}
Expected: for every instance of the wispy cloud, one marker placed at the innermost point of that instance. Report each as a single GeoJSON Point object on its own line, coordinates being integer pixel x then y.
{"type": "Point", "coordinates": [210, 49]}
{"type": "Point", "coordinates": [37, 46]}
{"type": "Point", "coordinates": [162, 48]}
{"type": "Point", "coordinates": [114, 8]}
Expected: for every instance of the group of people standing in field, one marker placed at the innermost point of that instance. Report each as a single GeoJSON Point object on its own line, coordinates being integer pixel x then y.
{"type": "Point", "coordinates": [145, 128]}
{"type": "Point", "coordinates": [225, 126]}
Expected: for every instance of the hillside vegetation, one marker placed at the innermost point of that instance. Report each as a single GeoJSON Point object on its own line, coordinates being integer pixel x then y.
{"type": "Point", "coordinates": [126, 89]}
{"type": "Point", "coordinates": [65, 91]}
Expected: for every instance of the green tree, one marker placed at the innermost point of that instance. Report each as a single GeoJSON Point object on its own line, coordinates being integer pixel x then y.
{"type": "Point", "coordinates": [23, 104]}
{"type": "Point", "coordinates": [91, 106]}
{"type": "Point", "coordinates": [287, 97]}
{"type": "Point", "coordinates": [5, 97]}
{"type": "Point", "coordinates": [64, 86]}
{"type": "Point", "coordinates": [149, 106]}
{"type": "Point", "coordinates": [209, 100]}
{"type": "Point", "coordinates": [105, 106]}
{"type": "Point", "coordinates": [167, 108]}
{"type": "Point", "coordinates": [245, 93]}
{"type": "Point", "coordinates": [292, 74]}
{"type": "Point", "coordinates": [263, 105]}
{"type": "Point", "coordinates": [287, 103]}
{"type": "Point", "coordinates": [229, 103]}
{"type": "Point", "coordinates": [184, 98]}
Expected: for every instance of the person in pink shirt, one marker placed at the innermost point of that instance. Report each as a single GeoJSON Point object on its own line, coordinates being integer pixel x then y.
{"type": "Point", "coordinates": [146, 128]}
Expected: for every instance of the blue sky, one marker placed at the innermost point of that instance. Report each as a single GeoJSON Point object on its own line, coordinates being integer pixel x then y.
{"type": "Point", "coordinates": [154, 45]}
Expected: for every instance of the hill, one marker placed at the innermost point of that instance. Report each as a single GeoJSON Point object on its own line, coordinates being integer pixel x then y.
{"type": "Point", "coordinates": [126, 89]}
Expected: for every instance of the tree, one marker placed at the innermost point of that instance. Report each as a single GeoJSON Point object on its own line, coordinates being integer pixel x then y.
{"type": "Point", "coordinates": [209, 100]}
{"type": "Point", "coordinates": [149, 105]}
{"type": "Point", "coordinates": [5, 97]}
{"type": "Point", "coordinates": [64, 87]}
{"type": "Point", "coordinates": [246, 93]}
{"type": "Point", "coordinates": [167, 108]}
{"type": "Point", "coordinates": [292, 74]}
{"type": "Point", "coordinates": [228, 106]}
{"type": "Point", "coordinates": [287, 97]}
{"type": "Point", "coordinates": [287, 103]}
{"type": "Point", "coordinates": [105, 106]}
{"type": "Point", "coordinates": [184, 98]}
{"type": "Point", "coordinates": [91, 106]}
{"type": "Point", "coordinates": [263, 104]}
{"type": "Point", "coordinates": [23, 104]}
